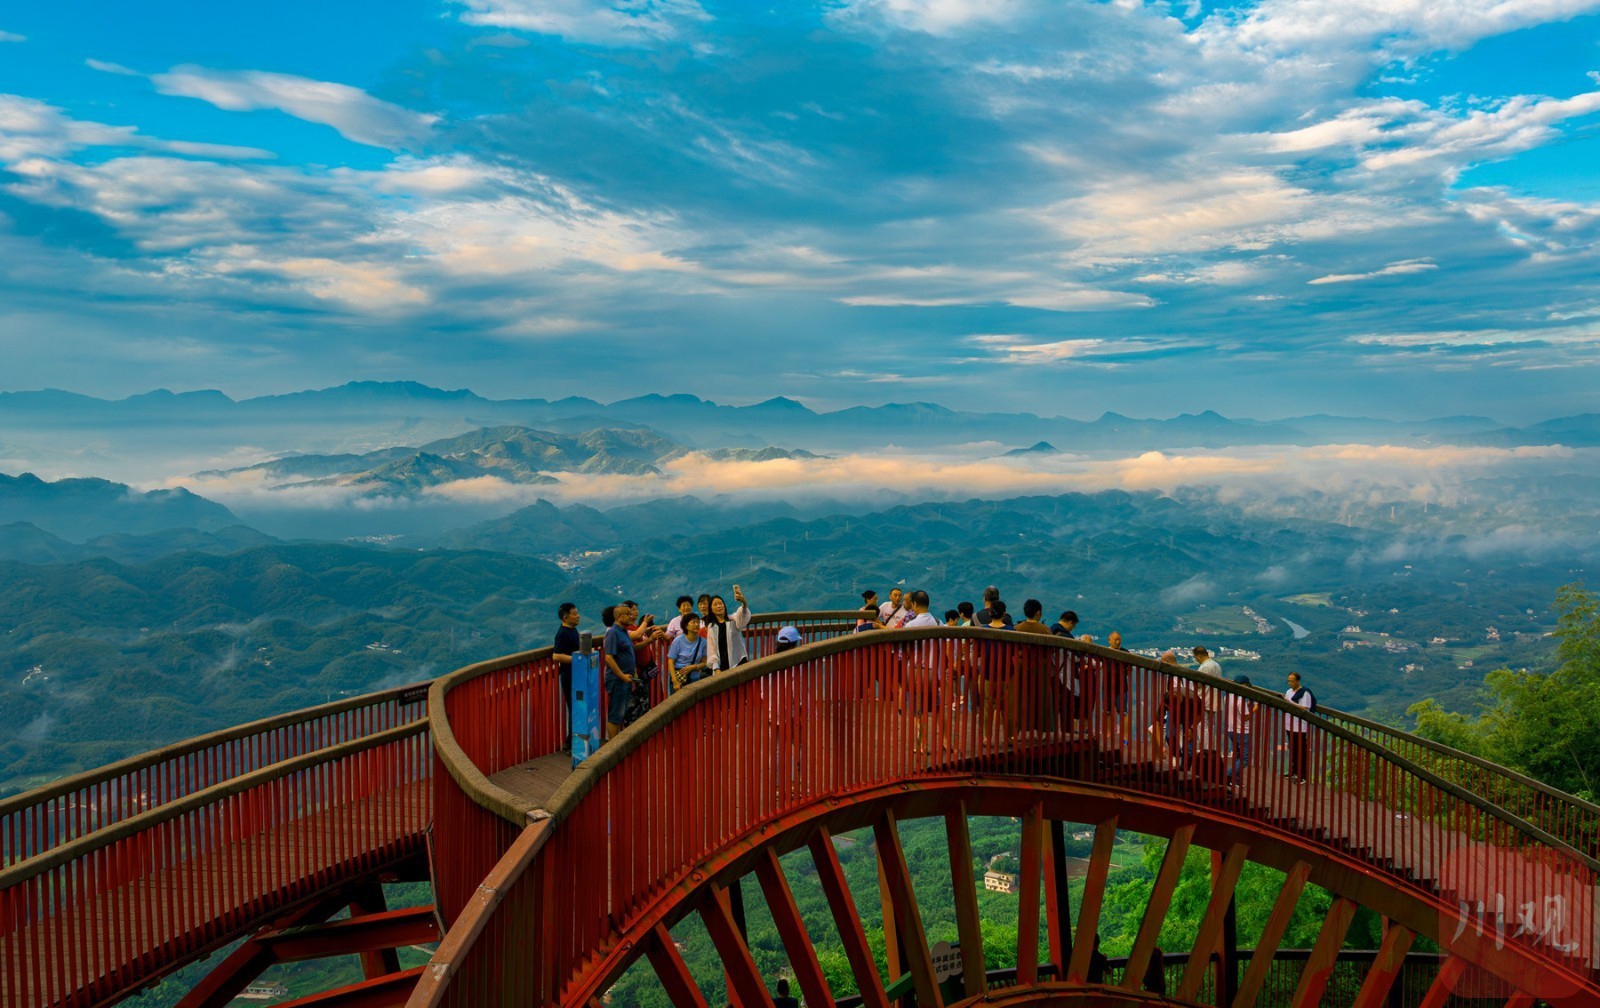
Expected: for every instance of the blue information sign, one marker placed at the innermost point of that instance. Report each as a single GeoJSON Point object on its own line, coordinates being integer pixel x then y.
{"type": "Point", "coordinates": [588, 705]}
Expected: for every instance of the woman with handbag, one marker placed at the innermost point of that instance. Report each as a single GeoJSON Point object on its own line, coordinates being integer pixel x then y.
{"type": "Point", "coordinates": [686, 659]}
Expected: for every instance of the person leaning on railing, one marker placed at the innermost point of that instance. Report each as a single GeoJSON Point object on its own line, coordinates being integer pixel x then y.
{"type": "Point", "coordinates": [1297, 729]}
{"type": "Point", "coordinates": [566, 645]}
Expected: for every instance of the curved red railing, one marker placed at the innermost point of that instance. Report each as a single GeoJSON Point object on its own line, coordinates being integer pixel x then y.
{"type": "Point", "coordinates": [1573, 820]}
{"type": "Point", "coordinates": [514, 712]}
{"type": "Point", "coordinates": [160, 859]}
{"type": "Point", "coordinates": [64, 810]}
{"type": "Point", "coordinates": [111, 878]}
{"type": "Point", "coordinates": [914, 708]}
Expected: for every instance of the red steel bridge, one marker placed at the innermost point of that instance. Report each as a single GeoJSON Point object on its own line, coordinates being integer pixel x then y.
{"type": "Point", "coordinates": [273, 840]}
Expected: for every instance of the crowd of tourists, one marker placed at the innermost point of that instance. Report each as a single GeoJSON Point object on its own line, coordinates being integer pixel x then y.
{"type": "Point", "coordinates": [1193, 726]}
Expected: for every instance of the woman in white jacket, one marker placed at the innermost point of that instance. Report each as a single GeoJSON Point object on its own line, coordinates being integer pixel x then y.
{"type": "Point", "coordinates": [725, 646]}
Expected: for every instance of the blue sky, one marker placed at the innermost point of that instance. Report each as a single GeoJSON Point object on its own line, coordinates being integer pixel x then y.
{"type": "Point", "coordinates": [1382, 207]}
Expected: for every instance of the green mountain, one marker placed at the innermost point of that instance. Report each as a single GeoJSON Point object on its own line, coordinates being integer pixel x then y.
{"type": "Point", "coordinates": [80, 509]}
{"type": "Point", "coordinates": [130, 656]}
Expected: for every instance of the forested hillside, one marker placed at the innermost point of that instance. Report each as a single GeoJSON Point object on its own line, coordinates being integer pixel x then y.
{"type": "Point", "coordinates": [108, 656]}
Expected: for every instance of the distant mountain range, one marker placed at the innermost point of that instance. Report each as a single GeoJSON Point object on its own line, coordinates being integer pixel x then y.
{"type": "Point", "coordinates": [363, 417]}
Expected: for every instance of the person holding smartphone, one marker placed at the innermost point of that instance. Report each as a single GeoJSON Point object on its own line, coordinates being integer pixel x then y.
{"type": "Point", "coordinates": [725, 643]}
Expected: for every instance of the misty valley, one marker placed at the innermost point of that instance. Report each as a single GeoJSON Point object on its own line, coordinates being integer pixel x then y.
{"type": "Point", "coordinates": [131, 618]}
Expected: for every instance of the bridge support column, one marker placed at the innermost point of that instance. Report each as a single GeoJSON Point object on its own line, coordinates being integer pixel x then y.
{"type": "Point", "coordinates": [1319, 968]}
{"type": "Point", "coordinates": [1094, 891]}
{"type": "Point", "coordinates": [369, 899]}
{"type": "Point", "coordinates": [1028, 896]}
{"type": "Point", "coordinates": [745, 986]}
{"type": "Point", "coordinates": [1228, 981]}
{"type": "Point", "coordinates": [908, 918]}
{"type": "Point", "coordinates": [792, 930]}
{"type": "Point", "coordinates": [1225, 875]}
{"type": "Point", "coordinates": [1057, 898]}
{"type": "Point", "coordinates": [1375, 989]}
{"type": "Point", "coordinates": [968, 927]}
{"type": "Point", "coordinates": [1267, 948]}
{"type": "Point", "coordinates": [672, 971]}
{"type": "Point", "coordinates": [830, 875]}
{"type": "Point", "coordinates": [1155, 914]}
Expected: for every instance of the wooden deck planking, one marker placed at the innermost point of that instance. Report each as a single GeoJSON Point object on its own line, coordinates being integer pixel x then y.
{"type": "Point", "coordinates": [536, 780]}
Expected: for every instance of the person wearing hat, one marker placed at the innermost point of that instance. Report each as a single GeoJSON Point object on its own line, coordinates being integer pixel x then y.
{"type": "Point", "coordinates": [788, 639]}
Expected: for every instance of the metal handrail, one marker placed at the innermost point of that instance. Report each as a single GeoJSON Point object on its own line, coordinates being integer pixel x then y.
{"type": "Point", "coordinates": [466, 773]}
{"type": "Point", "coordinates": [33, 822]}
{"type": "Point", "coordinates": [585, 776]}
{"type": "Point", "coordinates": [475, 782]}
{"type": "Point", "coordinates": [57, 856]}
{"type": "Point", "coordinates": [96, 917]}
{"type": "Point", "coordinates": [503, 803]}
{"type": "Point", "coordinates": [1436, 746]}
{"type": "Point", "coordinates": [1574, 819]}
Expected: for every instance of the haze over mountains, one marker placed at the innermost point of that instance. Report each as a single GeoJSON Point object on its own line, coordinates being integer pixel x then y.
{"type": "Point", "coordinates": [134, 438]}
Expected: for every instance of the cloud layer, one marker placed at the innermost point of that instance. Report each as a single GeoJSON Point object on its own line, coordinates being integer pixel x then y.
{"type": "Point", "coordinates": [1435, 475]}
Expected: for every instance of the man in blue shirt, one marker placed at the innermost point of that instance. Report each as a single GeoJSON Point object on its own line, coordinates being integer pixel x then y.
{"type": "Point", "coordinates": [620, 664]}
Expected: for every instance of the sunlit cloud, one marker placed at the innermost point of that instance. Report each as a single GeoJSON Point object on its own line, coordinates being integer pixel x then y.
{"type": "Point", "coordinates": [1256, 471]}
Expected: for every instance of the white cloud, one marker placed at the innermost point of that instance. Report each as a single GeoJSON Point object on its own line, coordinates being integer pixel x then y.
{"type": "Point", "coordinates": [1519, 123]}
{"type": "Point", "coordinates": [951, 284]}
{"type": "Point", "coordinates": [1196, 589]}
{"type": "Point", "coordinates": [936, 17]}
{"type": "Point", "coordinates": [1396, 29]}
{"type": "Point", "coordinates": [617, 22]}
{"type": "Point", "coordinates": [356, 115]}
{"type": "Point", "coordinates": [1570, 337]}
{"type": "Point", "coordinates": [517, 225]}
{"type": "Point", "coordinates": [111, 68]}
{"type": "Point", "coordinates": [6, 36]}
{"type": "Point", "coordinates": [1273, 471]}
{"type": "Point", "coordinates": [1019, 350]}
{"type": "Point", "coordinates": [31, 129]}
{"type": "Point", "coordinates": [1202, 211]}
{"type": "Point", "coordinates": [372, 287]}
{"type": "Point", "coordinates": [1393, 269]}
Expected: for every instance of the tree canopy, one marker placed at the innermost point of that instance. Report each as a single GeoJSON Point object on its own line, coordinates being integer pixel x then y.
{"type": "Point", "coordinates": [1543, 724]}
